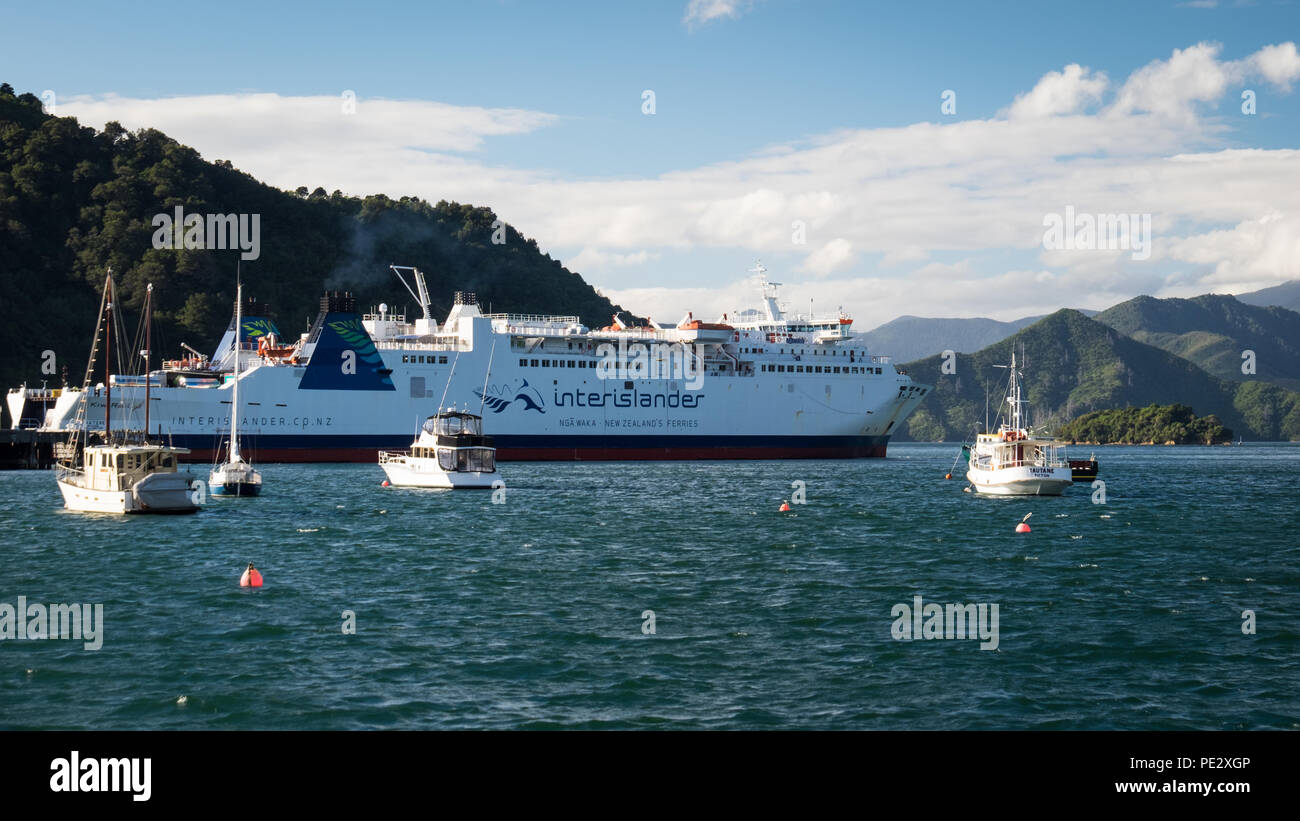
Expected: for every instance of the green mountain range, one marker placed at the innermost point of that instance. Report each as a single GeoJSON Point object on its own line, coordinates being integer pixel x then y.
{"type": "Point", "coordinates": [74, 201]}
{"type": "Point", "coordinates": [1073, 365]}
{"type": "Point", "coordinates": [1214, 331]}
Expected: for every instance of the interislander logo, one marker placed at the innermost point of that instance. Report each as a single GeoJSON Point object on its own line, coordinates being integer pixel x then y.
{"type": "Point", "coordinates": [651, 361]}
{"type": "Point", "coordinates": [1086, 232]}
{"type": "Point", "coordinates": [950, 621]}
{"type": "Point", "coordinates": [77, 622]}
{"type": "Point", "coordinates": [77, 774]}
{"type": "Point", "coordinates": [500, 397]}
{"type": "Point", "coordinates": [257, 328]}
{"type": "Point", "coordinates": [345, 358]}
{"type": "Point", "coordinates": [210, 232]}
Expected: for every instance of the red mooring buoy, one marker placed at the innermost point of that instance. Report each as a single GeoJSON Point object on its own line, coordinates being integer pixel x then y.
{"type": "Point", "coordinates": [251, 577]}
{"type": "Point", "coordinates": [785, 507]}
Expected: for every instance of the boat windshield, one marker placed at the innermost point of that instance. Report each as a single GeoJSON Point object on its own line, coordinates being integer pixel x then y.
{"type": "Point", "coordinates": [467, 460]}
{"type": "Point", "coordinates": [454, 425]}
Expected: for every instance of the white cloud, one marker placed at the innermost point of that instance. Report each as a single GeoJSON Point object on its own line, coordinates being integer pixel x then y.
{"type": "Point", "coordinates": [589, 258]}
{"type": "Point", "coordinates": [830, 257]}
{"type": "Point", "coordinates": [897, 197]}
{"type": "Point", "coordinates": [1061, 92]}
{"type": "Point", "coordinates": [1279, 64]}
{"type": "Point", "coordinates": [701, 12]}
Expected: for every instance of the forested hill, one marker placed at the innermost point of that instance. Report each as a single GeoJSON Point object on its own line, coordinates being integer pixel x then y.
{"type": "Point", "coordinates": [1073, 365]}
{"type": "Point", "coordinates": [74, 200]}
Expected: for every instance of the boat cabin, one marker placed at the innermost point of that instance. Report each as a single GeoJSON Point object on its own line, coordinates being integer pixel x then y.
{"type": "Point", "coordinates": [120, 467]}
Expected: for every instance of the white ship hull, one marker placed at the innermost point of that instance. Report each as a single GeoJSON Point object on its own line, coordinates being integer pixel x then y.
{"type": "Point", "coordinates": [1021, 481]}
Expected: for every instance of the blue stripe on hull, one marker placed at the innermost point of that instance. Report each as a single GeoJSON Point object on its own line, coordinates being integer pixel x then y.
{"type": "Point", "coordinates": [325, 448]}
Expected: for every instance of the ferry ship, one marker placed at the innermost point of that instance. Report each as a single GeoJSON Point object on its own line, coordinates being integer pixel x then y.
{"type": "Point", "coordinates": [758, 385]}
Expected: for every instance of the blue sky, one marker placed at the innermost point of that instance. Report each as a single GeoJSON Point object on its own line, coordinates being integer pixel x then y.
{"type": "Point", "coordinates": [768, 78]}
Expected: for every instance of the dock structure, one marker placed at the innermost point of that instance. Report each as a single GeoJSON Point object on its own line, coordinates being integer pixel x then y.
{"type": "Point", "coordinates": [28, 449]}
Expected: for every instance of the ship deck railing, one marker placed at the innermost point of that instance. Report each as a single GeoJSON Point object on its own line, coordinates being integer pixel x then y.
{"type": "Point", "coordinates": [535, 319]}
{"type": "Point", "coordinates": [439, 343]}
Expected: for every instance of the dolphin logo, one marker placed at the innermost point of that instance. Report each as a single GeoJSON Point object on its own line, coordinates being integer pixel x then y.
{"type": "Point", "coordinates": [524, 393]}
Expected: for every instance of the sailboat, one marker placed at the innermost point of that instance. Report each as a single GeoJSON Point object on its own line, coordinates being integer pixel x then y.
{"type": "Point", "coordinates": [235, 477]}
{"type": "Point", "coordinates": [124, 473]}
{"type": "Point", "coordinates": [1014, 462]}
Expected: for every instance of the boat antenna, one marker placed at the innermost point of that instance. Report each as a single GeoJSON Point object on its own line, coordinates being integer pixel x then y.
{"type": "Point", "coordinates": [450, 374]}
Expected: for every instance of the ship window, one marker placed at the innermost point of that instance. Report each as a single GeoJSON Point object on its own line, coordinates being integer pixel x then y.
{"type": "Point", "coordinates": [523, 363]}
{"type": "Point", "coordinates": [447, 459]}
{"type": "Point", "coordinates": [117, 462]}
{"type": "Point", "coordinates": [571, 364]}
{"type": "Point", "coordinates": [546, 363]}
{"type": "Point", "coordinates": [442, 360]}
{"type": "Point", "coordinates": [405, 359]}
{"type": "Point", "coordinates": [627, 386]}
{"type": "Point", "coordinates": [532, 363]}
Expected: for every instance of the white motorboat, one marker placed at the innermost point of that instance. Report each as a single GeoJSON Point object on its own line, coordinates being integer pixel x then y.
{"type": "Point", "coordinates": [450, 452]}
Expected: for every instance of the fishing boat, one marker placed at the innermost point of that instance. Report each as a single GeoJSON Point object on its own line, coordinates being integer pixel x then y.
{"type": "Point", "coordinates": [122, 472]}
{"type": "Point", "coordinates": [450, 452]}
{"type": "Point", "coordinates": [235, 476]}
{"type": "Point", "coordinates": [1013, 461]}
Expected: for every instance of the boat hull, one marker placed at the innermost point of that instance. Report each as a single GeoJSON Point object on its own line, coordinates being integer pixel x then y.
{"type": "Point", "coordinates": [157, 493]}
{"type": "Point", "coordinates": [404, 474]}
{"type": "Point", "coordinates": [236, 489]}
{"type": "Point", "coordinates": [576, 448]}
{"type": "Point", "coordinates": [1021, 481]}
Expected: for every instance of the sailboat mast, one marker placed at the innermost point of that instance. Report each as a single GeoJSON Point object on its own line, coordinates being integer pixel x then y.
{"type": "Point", "coordinates": [1014, 398]}
{"type": "Point", "coordinates": [234, 399]}
{"type": "Point", "coordinates": [148, 346]}
{"type": "Point", "coordinates": [108, 361]}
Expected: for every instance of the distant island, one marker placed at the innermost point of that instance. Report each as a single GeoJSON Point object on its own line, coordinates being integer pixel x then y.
{"type": "Point", "coordinates": [1152, 425]}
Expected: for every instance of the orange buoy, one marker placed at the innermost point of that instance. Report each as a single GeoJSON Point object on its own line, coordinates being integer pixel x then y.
{"type": "Point", "coordinates": [947, 476]}
{"type": "Point", "coordinates": [251, 577]}
{"type": "Point", "coordinates": [1022, 528]}
{"type": "Point", "coordinates": [384, 483]}
{"type": "Point", "coordinates": [785, 507]}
